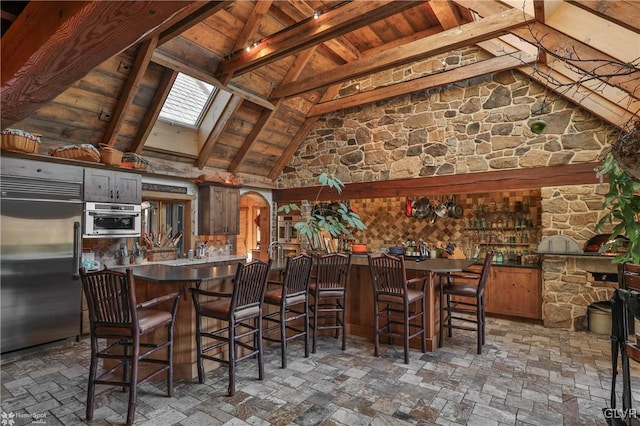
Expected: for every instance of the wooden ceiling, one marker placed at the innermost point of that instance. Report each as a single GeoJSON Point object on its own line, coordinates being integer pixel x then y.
{"type": "Point", "coordinates": [98, 72]}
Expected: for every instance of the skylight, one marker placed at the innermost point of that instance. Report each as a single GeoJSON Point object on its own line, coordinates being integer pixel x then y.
{"type": "Point", "coordinates": [187, 101]}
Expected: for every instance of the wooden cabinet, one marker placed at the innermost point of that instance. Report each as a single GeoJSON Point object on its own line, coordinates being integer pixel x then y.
{"type": "Point", "coordinates": [112, 186]}
{"type": "Point", "coordinates": [20, 167]}
{"type": "Point", "coordinates": [513, 291]}
{"type": "Point", "coordinates": [218, 210]}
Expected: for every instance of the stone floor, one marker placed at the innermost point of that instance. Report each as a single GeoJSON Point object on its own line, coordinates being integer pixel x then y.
{"type": "Point", "coordinates": [527, 375]}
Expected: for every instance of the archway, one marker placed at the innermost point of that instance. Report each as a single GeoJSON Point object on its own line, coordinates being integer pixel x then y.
{"type": "Point", "coordinates": [255, 226]}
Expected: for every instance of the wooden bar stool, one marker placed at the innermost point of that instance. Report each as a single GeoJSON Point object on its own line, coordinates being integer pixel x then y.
{"type": "Point", "coordinates": [116, 316]}
{"type": "Point", "coordinates": [241, 312]}
{"type": "Point", "coordinates": [467, 290]}
{"type": "Point", "coordinates": [328, 289]}
{"type": "Point", "coordinates": [394, 292]}
{"type": "Point", "coordinates": [291, 296]}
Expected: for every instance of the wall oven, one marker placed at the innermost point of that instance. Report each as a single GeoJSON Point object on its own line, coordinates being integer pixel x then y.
{"type": "Point", "coordinates": [287, 233]}
{"type": "Point", "coordinates": [111, 220]}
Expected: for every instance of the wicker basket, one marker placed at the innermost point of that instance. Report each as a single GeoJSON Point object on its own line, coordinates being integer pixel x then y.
{"type": "Point", "coordinates": [82, 152]}
{"type": "Point", "coordinates": [109, 155]}
{"type": "Point", "coordinates": [19, 143]}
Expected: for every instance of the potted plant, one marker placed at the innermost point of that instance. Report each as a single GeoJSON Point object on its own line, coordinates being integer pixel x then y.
{"type": "Point", "coordinates": [622, 203]}
{"type": "Point", "coordinates": [337, 219]}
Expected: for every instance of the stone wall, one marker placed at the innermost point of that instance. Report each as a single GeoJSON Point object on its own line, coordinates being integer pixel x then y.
{"type": "Point", "coordinates": [475, 126]}
{"type": "Point", "coordinates": [567, 290]}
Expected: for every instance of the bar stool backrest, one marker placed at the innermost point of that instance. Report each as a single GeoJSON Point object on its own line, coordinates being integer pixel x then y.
{"type": "Point", "coordinates": [249, 285]}
{"type": "Point", "coordinates": [332, 271]}
{"type": "Point", "coordinates": [111, 298]}
{"type": "Point", "coordinates": [388, 274]}
{"type": "Point", "coordinates": [297, 274]}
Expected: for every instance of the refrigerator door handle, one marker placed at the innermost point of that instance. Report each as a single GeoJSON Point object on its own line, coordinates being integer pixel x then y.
{"type": "Point", "coordinates": [77, 248]}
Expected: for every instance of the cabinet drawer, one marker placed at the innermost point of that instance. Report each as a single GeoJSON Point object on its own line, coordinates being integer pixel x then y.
{"type": "Point", "coordinates": [20, 167]}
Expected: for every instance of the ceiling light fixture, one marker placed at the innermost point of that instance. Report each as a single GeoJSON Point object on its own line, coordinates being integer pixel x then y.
{"type": "Point", "coordinates": [316, 14]}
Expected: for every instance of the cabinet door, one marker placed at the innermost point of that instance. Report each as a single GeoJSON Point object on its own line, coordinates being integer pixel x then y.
{"type": "Point", "coordinates": [232, 207]}
{"type": "Point", "coordinates": [515, 292]}
{"type": "Point", "coordinates": [128, 188]}
{"type": "Point", "coordinates": [211, 213]}
{"type": "Point", "coordinates": [99, 185]}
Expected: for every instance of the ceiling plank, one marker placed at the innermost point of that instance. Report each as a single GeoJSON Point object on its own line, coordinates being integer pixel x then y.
{"type": "Point", "coordinates": [60, 42]}
{"type": "Point", "coordinates": [196, 14]}
{"type": "Point", "coordinates": [252, 137]}
{"type": "Point", "coordinates": [487, 66]}
{"type": "Point", "coordinates": [152, 113]}
{"type": "Point", "coordinates": [623, 13]}
{"type": "Point", "coordinates": [403, 40]}
{"type": "Point", "coordinates": [329, 25]}
{"type": "Point", "coordinates": [129, 91]}
{"type": "Point", "coordinates": [225, 118]}
{"type": "Point", "coordinates": [445, 41]}
{"type": "Point", "coordinates": [294, 72]}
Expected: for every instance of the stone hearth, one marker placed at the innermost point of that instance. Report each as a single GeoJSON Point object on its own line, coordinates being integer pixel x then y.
{"type": "Point", "coordinates": [569, 287]}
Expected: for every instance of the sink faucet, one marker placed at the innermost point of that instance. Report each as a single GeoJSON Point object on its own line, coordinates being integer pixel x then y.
{"type": "Point", "coordinates": [279, 250]}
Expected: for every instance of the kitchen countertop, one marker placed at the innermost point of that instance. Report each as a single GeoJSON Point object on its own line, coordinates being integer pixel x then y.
{"type": "Point", "coordinates": [161, 273]}
{"type": "Point", "coordinates": [440, 263]}
{"type": "Point", "coordinates": [430, 265]}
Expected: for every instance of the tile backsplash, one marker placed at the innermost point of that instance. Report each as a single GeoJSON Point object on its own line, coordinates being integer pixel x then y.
{"type": "Point", "coordinates": [387, 224]}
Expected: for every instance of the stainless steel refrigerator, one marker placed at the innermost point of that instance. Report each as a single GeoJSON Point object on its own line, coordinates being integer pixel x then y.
{"type": "Point", "coordinates": [40, 246]}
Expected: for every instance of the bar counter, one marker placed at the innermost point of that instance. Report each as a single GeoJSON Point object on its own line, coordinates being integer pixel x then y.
{"type": "Point", "coordinates": [158, 279]}
{"type": "Point", "coordinates": [360, 295]}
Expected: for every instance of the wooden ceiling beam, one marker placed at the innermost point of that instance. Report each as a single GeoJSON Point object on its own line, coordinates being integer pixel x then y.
{"type": "Point", "coordinates": [445, 41]}
{"type": "Point", "coordinates": [339, 46]}
{"type": "Point", "coordinates": [487, 66]}
{"type": "Point", "coordinates": [60, 42]}
{"type": "Point", "coordinates": [221, 125]}
{"type": "Point", "coordinates": [250, 30]}
{"type": "Point", "coordinates": [468, 183]}
{"type": "Point", "coordinates": [446, 13]}
{"type": "Point", "coordinates": [129, 91]}
{"type": "Point", "coordinates": [328, 26]}
{"type": "Point", "coordinates": [587, 99]}
{"type": "Point", "coordinates": [623, 13]}
{"type": "Point", "coordinates": [257, 129]}
{"type": "Point", "coordinates": [583, 57]}
{"type": "Point", "coordinates": [165, 59]}
{"type": "Point", "coordinates": [153, 112]}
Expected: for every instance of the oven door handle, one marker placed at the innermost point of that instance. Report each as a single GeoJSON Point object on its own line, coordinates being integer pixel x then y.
{"type": "Point", "coordinates": [111, 214]}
